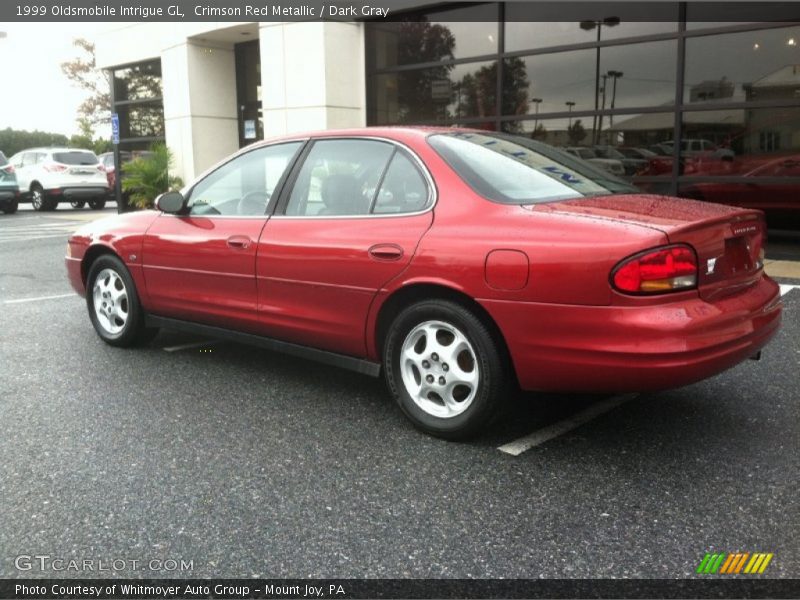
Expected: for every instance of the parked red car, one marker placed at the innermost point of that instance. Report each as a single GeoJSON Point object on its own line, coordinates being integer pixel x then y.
{"type": "Point", "coordinates": [460, 263]}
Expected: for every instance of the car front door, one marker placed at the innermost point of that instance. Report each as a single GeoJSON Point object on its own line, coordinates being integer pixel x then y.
{"type": "Point", "coordinates": [200, 266]}
{"type": "Point", "coordinates": [349, 223]}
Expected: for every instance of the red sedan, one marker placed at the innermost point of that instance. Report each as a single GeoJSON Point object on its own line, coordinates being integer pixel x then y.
{"type": "Point", "coordinates": [461, 264]}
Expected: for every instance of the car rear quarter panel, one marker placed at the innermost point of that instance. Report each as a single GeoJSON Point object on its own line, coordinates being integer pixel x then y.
{"type": "Point", "coordinates": [569, 256]}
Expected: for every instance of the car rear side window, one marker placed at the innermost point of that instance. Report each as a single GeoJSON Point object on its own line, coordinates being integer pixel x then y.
{"type": "Point", "coordinates": [403, 189]}
{"type": "Point", "coordinates": [511, 172]}
{"type": "Point", "coordinates": [339, 178]}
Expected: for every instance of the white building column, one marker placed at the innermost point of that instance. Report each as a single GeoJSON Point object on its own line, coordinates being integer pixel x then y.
{"type": "Point", "coordinates": [200, 117]}
{"type": "Point", "coordinates": [312, 76]}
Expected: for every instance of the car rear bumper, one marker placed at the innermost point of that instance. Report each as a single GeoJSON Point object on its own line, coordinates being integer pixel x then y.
{"type": "Point", "coordinates": [635, 348]}
{"type": "Point", "coordinates": [78, 193]}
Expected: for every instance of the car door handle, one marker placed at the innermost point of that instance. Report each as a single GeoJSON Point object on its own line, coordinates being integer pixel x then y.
{"type": "Point", "coordinates": [239, 242]}
{"type": "Point", "coordinates": [386, 252]}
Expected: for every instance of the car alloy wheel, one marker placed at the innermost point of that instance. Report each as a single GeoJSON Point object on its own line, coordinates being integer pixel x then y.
{"type": "Point", "coordinates": [446, 368]}
{"type": "Point", "coordinates": [113, 304]}
{"type": "Point", "coordinates": [110, 299]}
{"type": "Point", "coordinates": [439, 369]}
{"type": "Point", "coordinates": [37, 198]}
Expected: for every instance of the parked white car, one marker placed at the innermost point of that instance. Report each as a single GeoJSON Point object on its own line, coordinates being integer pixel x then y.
{"type": "Point", "coordinates": [47, 176]}
{"type": "Point", "coordinates": [611, 165]}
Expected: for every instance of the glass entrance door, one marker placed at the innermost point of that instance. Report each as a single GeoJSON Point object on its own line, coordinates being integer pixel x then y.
{"type": "Point", "coordinates": [248, 92]}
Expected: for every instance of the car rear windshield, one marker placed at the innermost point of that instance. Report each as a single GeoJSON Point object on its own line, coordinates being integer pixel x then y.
{"type": "Point", "coordinates": [75, 157]}
{"type": "Point", "coordinates": [514, 170]}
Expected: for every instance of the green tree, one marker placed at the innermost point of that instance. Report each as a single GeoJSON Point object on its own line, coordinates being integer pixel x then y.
{"type": "Point", "coordinates": [83, 72]}
{"type": "Point", "coordinates": [576, 133]}
{"type": "Point", "coordinates": [15, 140]}
{"type": "Point", "coordinates": [85, 140]}
{"type": "Point", "coordinates": [539, 132]}
{"type": "Point", "coordinates": [148, 176]}
{"type": "Point", "coordinates": [477, 93]}
{"type": "Point", "coordinates": [420, 42]}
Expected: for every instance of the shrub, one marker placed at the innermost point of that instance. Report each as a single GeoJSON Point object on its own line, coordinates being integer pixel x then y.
{"type": "Point", "coordinates": [146, 177]}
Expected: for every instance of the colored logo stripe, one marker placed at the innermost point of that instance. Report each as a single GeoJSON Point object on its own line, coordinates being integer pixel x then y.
{"type": "Point", "coordinates": [729, 564]}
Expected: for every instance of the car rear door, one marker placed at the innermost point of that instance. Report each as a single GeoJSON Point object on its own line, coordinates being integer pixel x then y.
{"type": "Point", "coordinates": [23, 165]}
{"type": "Point", "coordinates": [200, 266]}
{"type": "Point", "coordinates": [348, 222]}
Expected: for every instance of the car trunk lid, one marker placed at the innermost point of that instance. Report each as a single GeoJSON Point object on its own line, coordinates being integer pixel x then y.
{"type": "Point", "coordinates": [729, 241]}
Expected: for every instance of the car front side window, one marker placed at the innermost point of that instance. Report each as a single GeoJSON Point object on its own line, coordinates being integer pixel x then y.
{"type": "Point", "coordinates": [243, 186]}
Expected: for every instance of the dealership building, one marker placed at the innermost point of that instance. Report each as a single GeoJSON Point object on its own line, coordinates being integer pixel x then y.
{"type": "Point", "coordinates": [622, 80]}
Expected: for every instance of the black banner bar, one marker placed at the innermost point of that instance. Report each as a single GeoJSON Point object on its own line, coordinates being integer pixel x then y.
{"type": "Point", "coordinates": [33, 11]}
{"type": "Point", "coordinates": [345, 589]}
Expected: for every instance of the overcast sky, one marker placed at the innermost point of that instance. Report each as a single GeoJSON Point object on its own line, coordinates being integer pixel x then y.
{"type": "Point", "coordinates": [35, 93]}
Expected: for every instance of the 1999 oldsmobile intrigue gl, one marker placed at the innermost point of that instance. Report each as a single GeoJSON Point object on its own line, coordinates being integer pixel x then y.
{"type": "Point", "coordinates": [460, 263]}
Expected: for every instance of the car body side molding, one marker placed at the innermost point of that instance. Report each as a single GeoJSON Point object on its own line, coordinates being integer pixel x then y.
{"type": "Point", "coordinates": [359, 365]}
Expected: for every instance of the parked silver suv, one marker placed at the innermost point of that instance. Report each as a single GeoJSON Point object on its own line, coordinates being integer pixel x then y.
{"type": "Point", "coordinates": [48, 176]}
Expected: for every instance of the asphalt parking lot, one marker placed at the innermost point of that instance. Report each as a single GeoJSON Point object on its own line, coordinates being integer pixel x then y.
{"type": "Point", "coordinates": [249, 463]}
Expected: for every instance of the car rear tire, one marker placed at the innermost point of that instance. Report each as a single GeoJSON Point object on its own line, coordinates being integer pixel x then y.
{"type": "Point", "coordinates": [37, 197]}
{"type": "Point", "coordinates": [78, 203]}
{"type": "Point", "coordinates": [445, 369]}
{"type": "Point", "coordinates": [97, 203]}
{"type": "Point", "coordinates": [114, 307]}
{"type": "Point", "coordinates": [11, 207]}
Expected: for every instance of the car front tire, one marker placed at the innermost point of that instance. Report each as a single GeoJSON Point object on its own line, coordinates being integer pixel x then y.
{"type": "Point", "coordinates": [114, 307]}
{"type": "Point", "coordinates": [97, 203]}
{"type": "Point", "coordinates": [445, 369]}
{"type": "Point", "coordinates": [78, 203]}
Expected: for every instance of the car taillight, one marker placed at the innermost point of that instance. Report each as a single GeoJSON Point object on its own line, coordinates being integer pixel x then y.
{"type": "Point", "coordinates": [54, 168]}
{"type": "Point", "coordinates": [8, 169]}
{"type": "Point", "coordinates": [655, 271]}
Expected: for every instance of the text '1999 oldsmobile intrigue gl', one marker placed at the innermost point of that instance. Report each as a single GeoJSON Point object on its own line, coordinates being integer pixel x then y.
{"type": "Point", "coordinates": [462, 264]}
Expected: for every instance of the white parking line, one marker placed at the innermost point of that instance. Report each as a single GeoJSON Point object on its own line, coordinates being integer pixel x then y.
{"type": "Point", "coordinates": [187, 346]}
{"type": "Point", "coordinates": [21, 300]}
{"type": "Point", "coordinates": [34, 238]}
{"type": "Point", "coordinates": [546, 434]}
{"type": "Point", "coordinates": [786, 288]}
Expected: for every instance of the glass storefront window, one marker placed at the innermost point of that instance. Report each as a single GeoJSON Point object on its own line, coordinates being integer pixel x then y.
{"type": "Point", "coordinates": [435, 95]}
{"type": "Point", "coordinates": [751, 159]}
{"type": "Point", "coordinates": [443, 35]}
{"type": "Point", "coordinates": [743, 67]}
{"type": "Point", "coordinates": [634, 147]}
{"type": "Point", "coordinates": [138, 82]}
{"type": "Point", "coordinates": [638, 75]}
{"type": "Point", "coordinates": [141, 120]}
{"type": "Point", "coordinates": [736, 142]}
{"type": "Point", "coordinates": [531, 26]}
{"type": "Point", "coordinates": [521, 36]}
{"type": "Point", "coordinates": [559, 82]}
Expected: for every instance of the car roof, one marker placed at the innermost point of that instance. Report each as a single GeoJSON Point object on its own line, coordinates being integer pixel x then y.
{"type": "Point", "coordinates": [55, 149]}
{"type": "Point", "coordinates": [393, 132]}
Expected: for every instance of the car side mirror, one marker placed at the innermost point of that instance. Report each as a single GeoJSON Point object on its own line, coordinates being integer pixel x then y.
{"type": "Point", "coordinates": [171, 202]}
